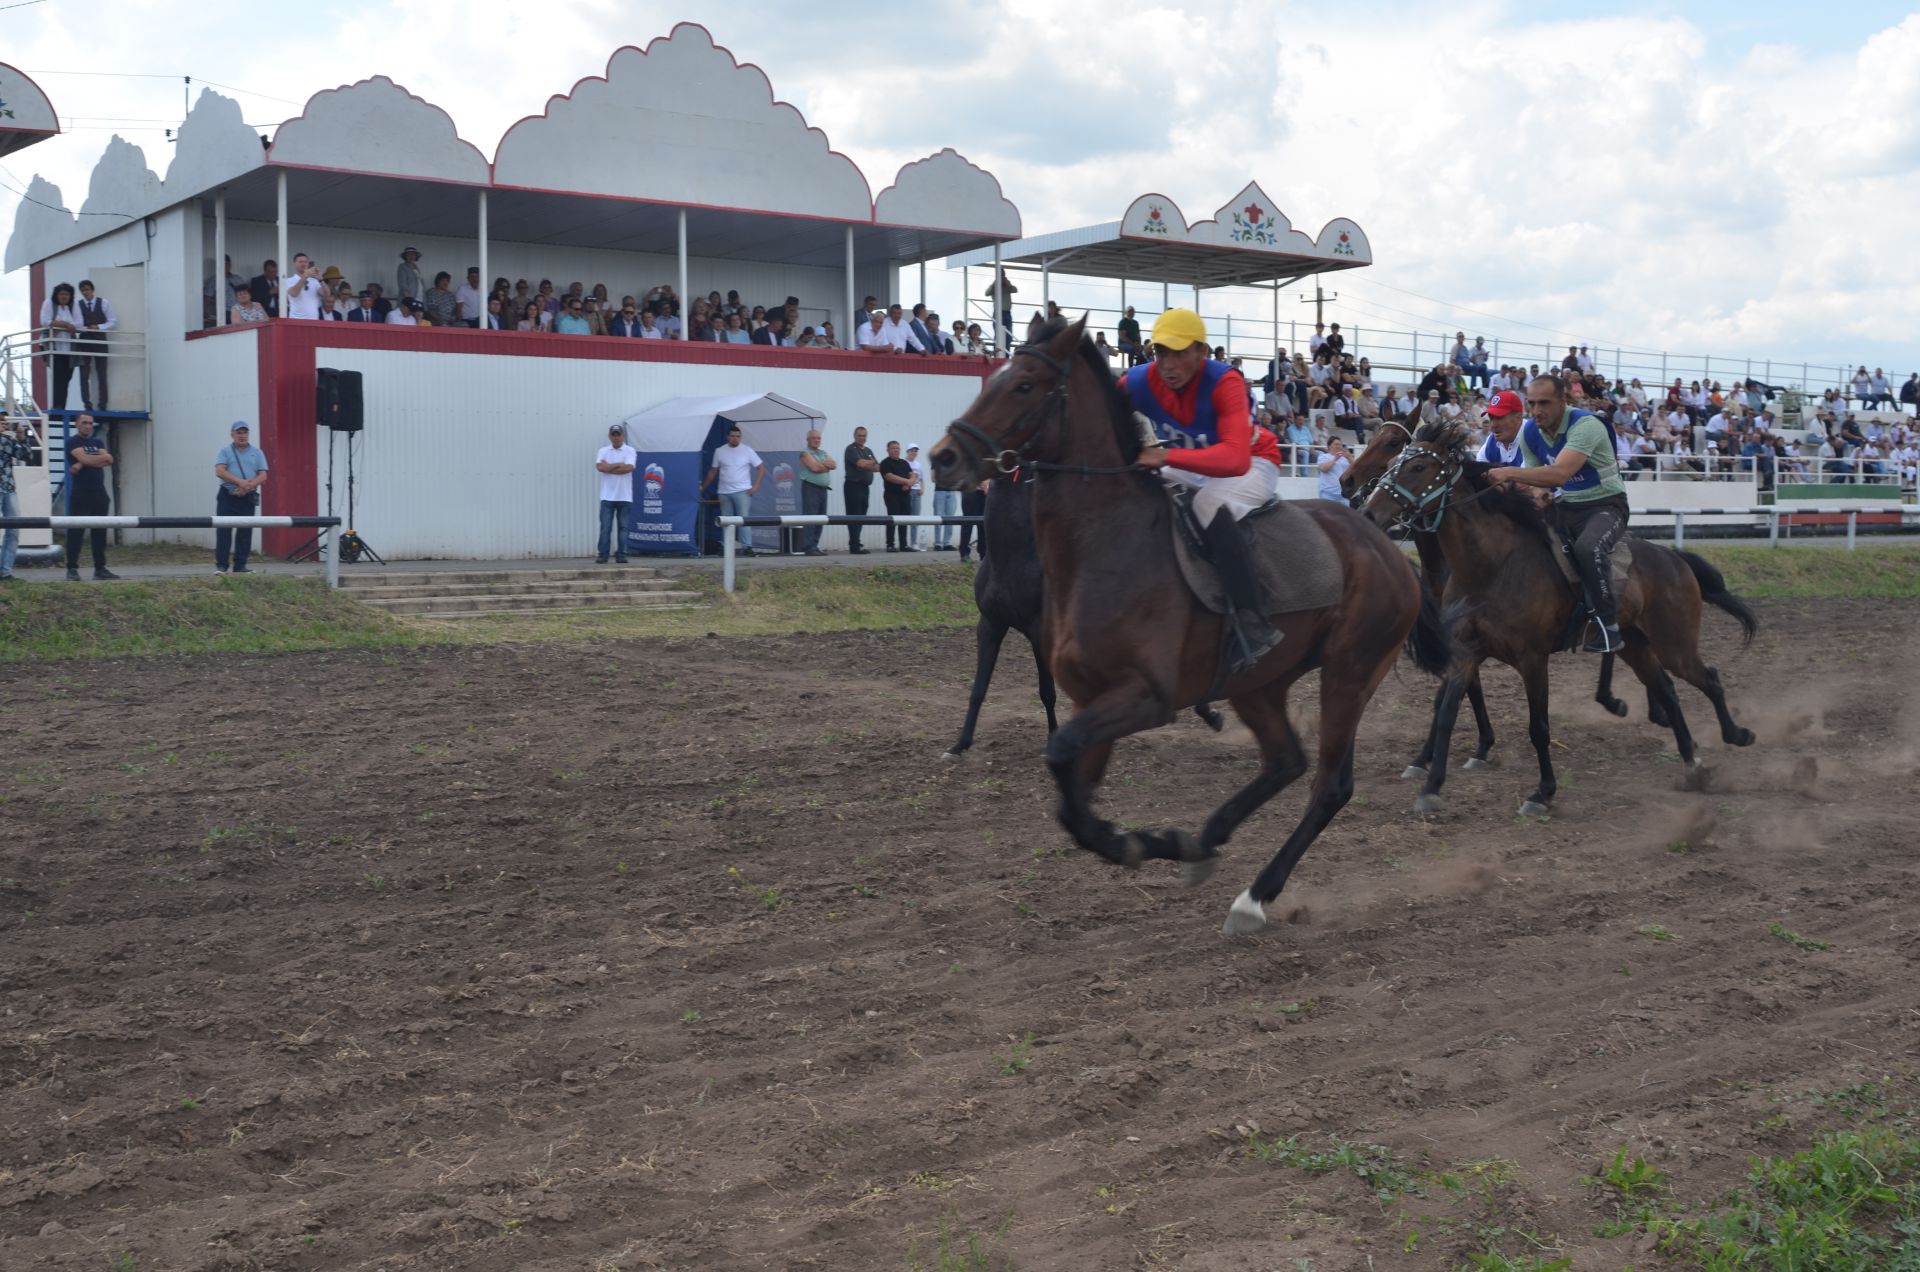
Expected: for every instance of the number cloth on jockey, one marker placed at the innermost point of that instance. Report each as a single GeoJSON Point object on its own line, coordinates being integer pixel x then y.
{"type": "Point", "coordinates": [1587, 433]}
{"type": "Point", "coordinates": [1212, 443]}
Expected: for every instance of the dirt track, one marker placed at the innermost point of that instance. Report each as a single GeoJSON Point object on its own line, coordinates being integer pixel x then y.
{"type": "Point", "coordinates": [694, 955]}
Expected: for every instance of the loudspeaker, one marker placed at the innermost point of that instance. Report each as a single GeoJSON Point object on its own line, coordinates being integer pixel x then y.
{"type": "Point", "coordinates": [337, 400]}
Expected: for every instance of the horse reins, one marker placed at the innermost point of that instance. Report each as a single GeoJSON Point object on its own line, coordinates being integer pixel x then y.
{"type": "Point", "coordinates": [1013, 455]}
{"type": "Point", "coordinates": [1431, 505]}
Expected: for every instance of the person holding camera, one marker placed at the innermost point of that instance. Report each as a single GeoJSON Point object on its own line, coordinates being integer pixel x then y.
{"type": "Point", "coordinates": [18, 445]}
{"type": "Point", "coordinates": [242, 470]}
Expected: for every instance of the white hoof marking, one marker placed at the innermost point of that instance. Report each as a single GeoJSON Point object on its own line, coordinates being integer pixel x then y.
{"type": "Point", "coordinates": [1414, 770]}
{"type": "Point", "coordinates": [1244, 916]}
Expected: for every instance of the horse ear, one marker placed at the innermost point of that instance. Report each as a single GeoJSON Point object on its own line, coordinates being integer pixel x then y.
{"type": "Point", "coordinates": [1069, 340]}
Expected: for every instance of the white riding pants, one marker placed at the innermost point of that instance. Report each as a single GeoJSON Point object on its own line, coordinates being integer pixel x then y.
{"type": "Point", "coordinates": [1255, 488]}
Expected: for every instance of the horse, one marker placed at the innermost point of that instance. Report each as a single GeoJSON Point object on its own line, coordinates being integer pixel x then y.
{"type": "Point", "coordinates": [1506, 599]}
{"type": "Point", "coordinates": [1010, 593]}
{"type": "Point", "coordinates": [1130, 643]}
{"type": "Point", "coordinates": [1373, 460]}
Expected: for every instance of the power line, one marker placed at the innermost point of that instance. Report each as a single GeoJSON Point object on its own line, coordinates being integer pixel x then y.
{"type": "Point", "coordinates": [21, 5]}
{"type": "Point", "coordinates": [25, 197]}
{"type": "Point", "coordinates": [159, 75]}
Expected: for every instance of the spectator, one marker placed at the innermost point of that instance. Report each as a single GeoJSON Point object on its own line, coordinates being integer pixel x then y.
{"type": "Point", "coordinates": [343, 303]}
{"type": "Point", "coordinates": [548, 301]}
{"type": "Point", "coordinates": [90, 345]}
{"type": "Point", "coordinates": [1878, 385]}
{"type": "Point", "coordinates": [226, 302]}
{"type": "Point", "coordinates": [1299, 439]}
{"type": "Point", "coordinates": [470, 302]}
{"type": "Point", "coordinates": [1333, 465]}
{"type": "Point", "coordinates": [1644, 457]}
{"type": "Point", "coordinates": [1910, 391]}
{"type": "Point", "coordinates": [1584, 361]}
{"type": "Point", "coordinates": [245, 307]}
{"type": "Point", "coordinates": [736, 474]}
{"type": "Point", "coordinates": [670, 327]}
{"type": "Point", "coordinates": [899, 477]}
{"type": "Point", "coordinates": [406, 314]}
{"type": "Point", "coordinates": [626, 324]}
{"type": "Point", "coordinates": [1336, 343]}
{"type": "Point", "coordinates": [1127, 337]}
{"type": "Point", "coordinates": [1758, 455]}
{"type": "Point", "coordinates": [496, 319]}
{"type": "Point", "coordinates": [874, 337]}
{"type": "Point", "coordinates": [439, 302]}
{"type": "Point", "coordinates": [736, 332]}
{"type": "Point", "coordinates": [534, 317]}
{"type": "Point", "coordinates": [921, 335]}
{"type": "Point", "coordinates": [18, 445]}
{"type": "Point", "coordinates": [304, 291]}
{"type": "Point", "coordinates": [1000, 293]}
{"type": "Point", "coordinates": [1477, 367]}
{"type": "Point", "coordinates": [816, 482]}
{"type": "Point", "coordinates": [1101, 347]}
{"type": "Point", "coordinates": [1862, 386]}
{"type": "Point", "coordinates": [973, 504]}
{"type": "Point", "coordinates": [916, 495]}
{"type": "Point", "coordinates": [572, 321]}
{"type": "Point", "coordinates": [409, 283]}
{"type": "Point", "coordinates": [615, 464]}
{"type": "Point", "coordinates": [939, 342]}
{"type": "Point", "coordinates": [775, 332]}
{"type": "Point", "coordinates": [60, 318]}
{"type": "Point", "coordinates": [381, 305]}
{"type": "Point", "coordinates": [865, 312]}
{"type": "Point", "coordinates": [242, 470]}
{"type": "Point", "coordinates": [857, 486]}
{"type": "Point", "coordinates": [596, 321]}
{"type": "Point", "coordinates": [1461, 356]}
{"type": "Point", "coordinates": [266, 287]}
{"type": "Point", "coordinates": [824, 337]}
{"type": "Point", "coordinates": [1318, 340]}
{"type": "Point", "coordinates": [976, 344]}
{"type": "Point", "coordinates": [899, 333]}
{"type": "Point", "coordinates": [87, 462]}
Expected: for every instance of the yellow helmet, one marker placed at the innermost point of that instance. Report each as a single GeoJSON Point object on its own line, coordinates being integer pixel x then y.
{"type": "Point", "coordinates": [1178, 328]}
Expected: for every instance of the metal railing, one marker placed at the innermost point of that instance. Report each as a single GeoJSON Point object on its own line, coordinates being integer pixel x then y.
{"type": "Point", "coordinates": [793, 521]}
{"type": "Point", "coordinates": [330, 559]}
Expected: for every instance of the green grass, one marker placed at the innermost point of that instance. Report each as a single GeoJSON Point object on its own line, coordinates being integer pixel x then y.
{"type": "Point", "coordinates": [955, 1251]}
{"type": "Point", "coordinates": [1879, 571]}
{"type": "Point", "coordinates": [1374, 1164]}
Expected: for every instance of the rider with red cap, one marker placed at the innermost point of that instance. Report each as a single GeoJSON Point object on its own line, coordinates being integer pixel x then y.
{"type": "Point", "coordinates": [1198, 407]}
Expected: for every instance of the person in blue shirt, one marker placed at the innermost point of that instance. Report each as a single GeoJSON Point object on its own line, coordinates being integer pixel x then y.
{"type": "Point", "coordinates": [242, 470]}
{"type": "Point", "coordinates": [1299, 440]}
{"type": "Point", "coordinates": [1333, 465]}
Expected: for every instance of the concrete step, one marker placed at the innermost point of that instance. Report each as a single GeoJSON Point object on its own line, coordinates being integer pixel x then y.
{"type": "Point", "coordinates": [542, 601]}
{"type": "Point", "coordinates": [350, 577]}
{"type": "Point", "coordinates": [451, 615]}
{"type": "Point", "coordinates": [538, 587]}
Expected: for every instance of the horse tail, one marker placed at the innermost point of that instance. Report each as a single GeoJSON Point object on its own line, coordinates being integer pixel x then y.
{"type": "Point", "coordinates": [1713, 590]}
{"type": "Point", "coordinates": [1429, 644]}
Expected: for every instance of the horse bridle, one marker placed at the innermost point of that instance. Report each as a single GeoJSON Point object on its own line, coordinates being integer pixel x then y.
{"type": "Point", "coordinates": [1422, 512]}
{"type": "Point", "coordinates": [977, 445]}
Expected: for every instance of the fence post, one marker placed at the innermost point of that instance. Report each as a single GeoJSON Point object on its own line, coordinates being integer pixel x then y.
{"type": "Point", "coordinates": [330, 555]}
{"type": "Point", "coordinates": [1853, 518]}
{"type": "Point", "coordinates": [1679, 530]}
{"type": "Point", "coordinates": [1773, 525]}
{"type": "Point", "coordinates": [726, 556]}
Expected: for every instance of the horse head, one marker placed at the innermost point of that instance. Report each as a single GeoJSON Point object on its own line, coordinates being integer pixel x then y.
{"type": "Point", "coordinates": [1020, 416]}
{"type": "Point", "coordinates": [1373, 460]}
{"type": "Point", "coordinates": [1414, 488]}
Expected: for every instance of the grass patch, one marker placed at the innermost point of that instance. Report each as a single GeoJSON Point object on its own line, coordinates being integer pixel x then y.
{"type": "Point", "coordinates": [1374, 1164]}
{"type": "Point", "coordinates": [40, 621]}
{"type": "Point", "coordinates": [1798, 941]}
{"type": "Point", "coordinates": [960, 1251]}
{"type": "Point", "coordinates": [1871, 571]}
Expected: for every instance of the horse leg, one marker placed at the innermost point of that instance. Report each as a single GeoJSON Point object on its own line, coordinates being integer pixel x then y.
{"type": "Point", "coordinates": [1281, 761]}
{"type": "Point", "coordinates": [1477, 699]}
{"type": "Point", "coordinates": [1445, 714]}
{"type": "Point", "coordinates": [987, 636]}
{"type": "Point", "coordinates": [1603, 692]}
{"type": "Point", "coordinates": [1420, 762]}
{"type": "Point", "coordinates": [1706, 679]}
{"type": "Point", "coordinates": [1660, 689]}
{"type": "Point", "coordinates": [1046, 685]}
{"type": "Point", "coordinates": [1209, 716]}
{"type": "Point", "coordinates": [1534, 675]}
{"type": "Point", "coordinates": [1077, 755]}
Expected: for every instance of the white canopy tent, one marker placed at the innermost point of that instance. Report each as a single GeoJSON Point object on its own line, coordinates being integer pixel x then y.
{"type": "Point", "coordinates": [675, 441]}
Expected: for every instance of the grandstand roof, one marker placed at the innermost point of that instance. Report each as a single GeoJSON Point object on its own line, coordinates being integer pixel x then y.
{"type": "Point", "coordinates": [26, 116]}
{"type": "Point", "coordinates": [1249, 240]}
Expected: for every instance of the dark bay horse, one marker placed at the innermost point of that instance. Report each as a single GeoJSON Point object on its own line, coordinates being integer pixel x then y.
{"type": "Point", "coordinates": [1129, 642]}
{"type": "Point", "coordinates": [1367, 468]}
{"type": "Point", "coordinates": [1009, 590]}
{"type": "Point", "coordinates": [1508, 600]}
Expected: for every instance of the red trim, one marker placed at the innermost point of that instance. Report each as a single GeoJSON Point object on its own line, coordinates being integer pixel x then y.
{"type": "Point", "coordinates": [286, 433]}
{"type": "Point", "coordinates": [43, 97]}
{"type": "Point", "coordinates": [37, 296]}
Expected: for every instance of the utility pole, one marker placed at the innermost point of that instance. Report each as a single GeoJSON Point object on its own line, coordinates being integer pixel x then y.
{"type": "Point", "coordinates": [1319, 301]}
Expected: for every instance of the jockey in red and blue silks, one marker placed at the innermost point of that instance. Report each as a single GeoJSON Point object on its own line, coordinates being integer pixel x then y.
{"type": "Point", "coordinates": [1201, 419]}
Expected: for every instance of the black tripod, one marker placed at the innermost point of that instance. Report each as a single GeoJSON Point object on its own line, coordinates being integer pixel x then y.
{"type": "Point", "coordinates": [310, 550]}
{"type": "Point", "coordinates": [352, 546]}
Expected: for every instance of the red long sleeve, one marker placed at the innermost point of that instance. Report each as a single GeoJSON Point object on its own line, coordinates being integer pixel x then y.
{"type": "Point", "coordinates": [1232, 455]}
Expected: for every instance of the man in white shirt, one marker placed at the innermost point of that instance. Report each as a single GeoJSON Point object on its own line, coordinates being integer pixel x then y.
{"type": "Point", "coordinates": [90, 345]}
{"type": "Point", "coordinates": [304, 291]}
{"type": "Point", "coordinates": [872, 336]}
{"type": "Point", "coordinates": [405, 315]}
{"type": "Point", "coordinates": [615, 464]}
{"type": "Point", "coordinates": [899, 333]}
{"type": "Point", "coordinates": [1585, 361]}
{"type": "Point", "coordinates": [737, 470]}
{"type": "Point", "coordinates": [470, 302]}
{"type": "Point", "coordinates": [1318, 338]}
{"type": "Point", "coordinates": [1881, 389]}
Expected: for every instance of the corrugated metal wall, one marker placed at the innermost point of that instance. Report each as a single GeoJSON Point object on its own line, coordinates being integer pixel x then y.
{"type": "Point", "coordinates": [489, 456]}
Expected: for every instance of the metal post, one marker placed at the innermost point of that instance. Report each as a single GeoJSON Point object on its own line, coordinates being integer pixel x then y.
{"type": "Point", "coordinates": [686, 311]}
{"type": "Point", "coordinates": [1853, 519]}
{"type": "Point", "coordinates": [1229, 344]}
{"type": "Point", "coordinates": [966, 298]}
{"type": "Point", "coordinates": [1001, 339]}
{"type": "Point", "coordinates": [486, 282]}
{"type": "Point", "coordinates": [1663, 368]}
{"type": "Point", "coordinates": [1679, 528]}
{"type": "Point", "coordinates": [330, 555]}
{"type": "Point", "coordinates": [1276, 316]}
{"type": "Point", "coordinates": [281, 185]}
{"type": "Point", "coordinates": [1773, 525]}
{"type": "Point", "coordinates": [850, 339]}
{"type": "Point", "coordinates": [220, 311]}
{"type": "Point", "coordinates": [726, 556]}
{"type": "Point", "coordinates": [923, 280]}
{"type": "Point", "coordinates": [1046, 288]}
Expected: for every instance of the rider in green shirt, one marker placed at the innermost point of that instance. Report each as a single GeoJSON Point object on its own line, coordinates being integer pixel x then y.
{"type": "Point", "coordinates": [1572, 451]}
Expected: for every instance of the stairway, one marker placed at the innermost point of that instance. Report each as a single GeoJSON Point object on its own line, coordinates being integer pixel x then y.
{"type": "Point", "coordinates": [492, 593]}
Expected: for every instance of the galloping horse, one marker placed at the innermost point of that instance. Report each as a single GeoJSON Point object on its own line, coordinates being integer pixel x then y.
{"type": "Point", "coordinates": [1356, 483]}
{"type": "Point", "coordinates": [1512, 604]}
{"type": "Point", "coordinates": [1131, 644]}
{"type": "Point", "coordinates": [1010, 593]}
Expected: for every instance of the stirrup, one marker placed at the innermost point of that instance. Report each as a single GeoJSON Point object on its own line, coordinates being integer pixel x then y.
{"type": "Point", "coordinates": [1602, 638]}
{"type": "Point", "coordinates": [1249, 639]}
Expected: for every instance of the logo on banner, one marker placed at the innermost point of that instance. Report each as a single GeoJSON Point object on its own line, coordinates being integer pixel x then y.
{"type": "Point", "coordinates": [783, 496]}
{"type": "Point", "coordinates": [653, 485]}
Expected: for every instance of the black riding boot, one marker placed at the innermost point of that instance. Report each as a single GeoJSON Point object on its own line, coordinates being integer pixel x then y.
{"type": "Point", "coordinates": [1249, 635]}
{"type": "Point", "coordinates": [1603, 633]}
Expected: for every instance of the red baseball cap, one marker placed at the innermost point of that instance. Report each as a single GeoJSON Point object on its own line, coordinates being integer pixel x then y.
{"type": "Point", "coordinates": [1506, 402]}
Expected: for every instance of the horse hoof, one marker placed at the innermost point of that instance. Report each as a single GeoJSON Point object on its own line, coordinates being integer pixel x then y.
{"type": "Point", "coordinates": [1615, 707]}
{"type": "Point", "coordinates": [1475, 762]}
{"type": "Point", "coordinates": [1414, 770]}
{"type": "Point", "coordinates": [951, 757]}
{"type": "Point", "coordinates": [1195, 873]}
{"type": "Point", "coordinates": [1697, 777]}
{"type": "Point", "coordinates": [1532, 808]}
{"type": "Point", "coordinates": [1740, 737]}
{"type": "Point", "coordinates": [1133, 849]}
{"type": "Point", "coordinates": [1425, 804]}
{"type": "Point", "coordinates": [1245, 916]}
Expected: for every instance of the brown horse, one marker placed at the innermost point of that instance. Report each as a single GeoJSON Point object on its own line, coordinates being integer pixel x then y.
{"type": "Point", "coordinates": [1512, 604]}
{"type": "Point", "coordinates": [1356, 483]}
{"type": "Point", "coordinates": [1128, 640]}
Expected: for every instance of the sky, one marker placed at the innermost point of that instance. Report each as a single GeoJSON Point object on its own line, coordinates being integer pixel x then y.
{"type": "Point", "coordinates": [1739, 179]}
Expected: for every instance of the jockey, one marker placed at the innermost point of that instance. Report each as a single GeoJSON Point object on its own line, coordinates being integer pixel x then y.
{"type": "Point", "coordinates": [1572, 451]}
{"type": "Point", "coordinates": [1505, 414]}
{"type": "Point", "coordinates": [1206, 439]}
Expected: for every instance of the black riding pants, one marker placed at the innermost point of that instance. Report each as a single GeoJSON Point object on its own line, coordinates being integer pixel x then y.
{"type": "Point", "coordinates": [1595, 527]}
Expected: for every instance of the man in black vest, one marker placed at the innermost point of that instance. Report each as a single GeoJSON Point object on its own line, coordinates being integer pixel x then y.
{"type": "Point", "coordinates": [90, 347]}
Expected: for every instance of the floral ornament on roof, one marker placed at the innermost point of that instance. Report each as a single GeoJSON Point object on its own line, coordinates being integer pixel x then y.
{"type": "Point", "coordinates": [1247, 227]}
{"type": "Point", "coordinates": [1344, 247]}
{"type": "Point", "coordinates": [1155, 223]}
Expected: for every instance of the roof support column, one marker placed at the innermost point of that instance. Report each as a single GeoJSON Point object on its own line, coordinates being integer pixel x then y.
{"type": "Point", "coordinates": [1276, 318]}
{"type": "Point", "coordinates": [280, 184]}
{"type": "Point", "coordinates": [849, 338]}
{"type": "Point", "coordinates": [923, 280]}
{"type": "Point", "coordinates": [686, 309]}
{"type": "Point", "coordinates": [486, 283]}
{"type": "Point", "coordinates": [1003, 336]}
{"type": "Point", "coordinates": [221, 314]}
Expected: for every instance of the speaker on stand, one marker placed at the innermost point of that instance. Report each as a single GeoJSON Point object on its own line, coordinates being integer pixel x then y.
{"type": "Point", "coordinates": [339, 407]}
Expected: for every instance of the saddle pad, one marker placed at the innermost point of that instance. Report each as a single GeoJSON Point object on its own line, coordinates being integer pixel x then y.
{"type": "Point", "coordinates": [1296, 564]}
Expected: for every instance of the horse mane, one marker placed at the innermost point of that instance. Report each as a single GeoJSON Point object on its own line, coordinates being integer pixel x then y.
{"type": "Point", "coordinates": [1126, 433]}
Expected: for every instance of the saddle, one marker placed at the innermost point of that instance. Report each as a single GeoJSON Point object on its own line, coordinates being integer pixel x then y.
{"type": "Point", "coordinates": [1620, 561]}
{"type": "Point", "coordinates": [1294, 561]}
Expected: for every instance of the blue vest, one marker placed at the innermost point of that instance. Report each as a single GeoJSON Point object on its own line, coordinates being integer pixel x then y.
{"type": "Point", "coordinates": [1204, 431]}
{"type": "Point", "coordinates": [1588, 477]}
